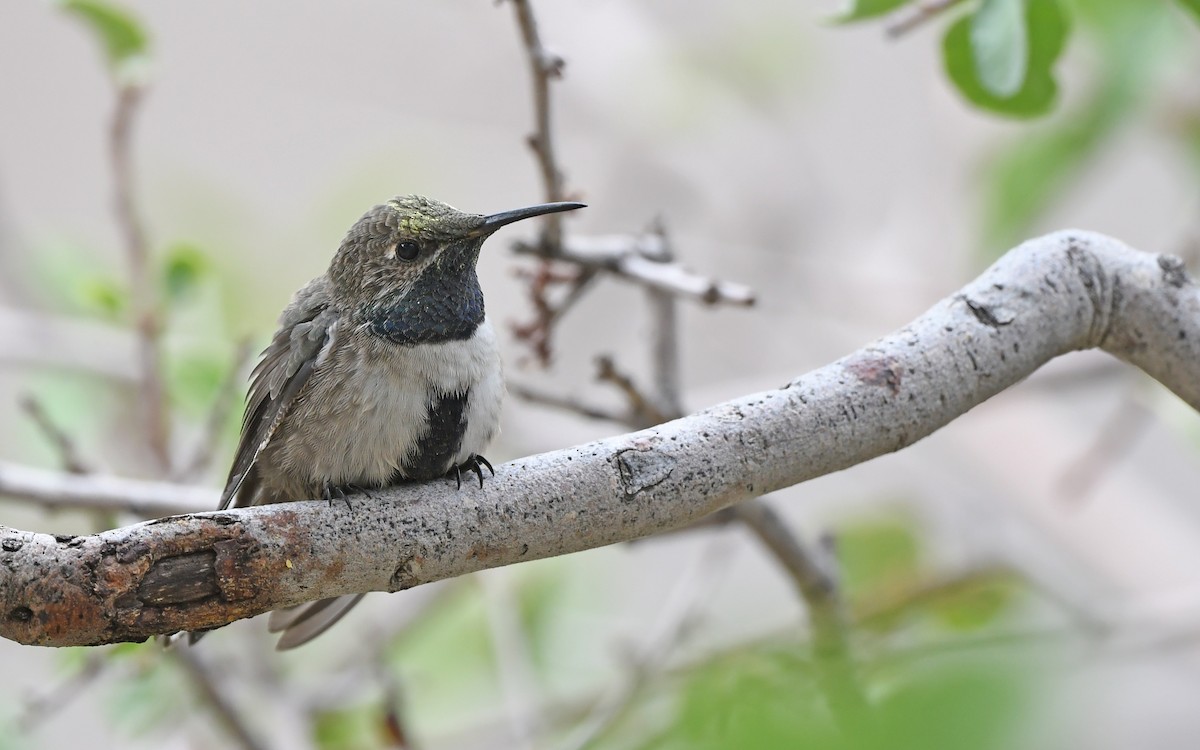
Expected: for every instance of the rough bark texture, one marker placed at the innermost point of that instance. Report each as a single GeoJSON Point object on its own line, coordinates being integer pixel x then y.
{"type": "Point", "coordinates": [1064, 292]}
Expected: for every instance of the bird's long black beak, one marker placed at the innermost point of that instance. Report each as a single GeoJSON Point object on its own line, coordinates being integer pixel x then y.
{"type": "Point", "coordinates": [495, 221]}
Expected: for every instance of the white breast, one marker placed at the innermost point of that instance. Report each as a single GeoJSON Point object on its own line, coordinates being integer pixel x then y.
{"type": "Point", "coordinates": [366, 408]}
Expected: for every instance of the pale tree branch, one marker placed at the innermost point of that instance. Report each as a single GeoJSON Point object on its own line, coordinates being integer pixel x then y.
{"type": "Point", "coordinates": [1060, 293]}
{"type": "Point", "coordinates": [58, 490]}
{"type": "Point", "coordinates": [643, 259]}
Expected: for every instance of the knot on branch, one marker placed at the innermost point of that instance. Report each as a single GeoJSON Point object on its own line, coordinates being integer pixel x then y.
{"type": "Point", "coordinates": [1174, 272]}
{"type": "Point", "coordinates": [642, 467]}
{"type": "Point", "coordinates": [1103, 291]}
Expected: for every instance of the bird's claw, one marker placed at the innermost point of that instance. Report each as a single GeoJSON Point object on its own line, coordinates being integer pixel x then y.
{"type": "Point", "coordinates": [333, 491]}
{"type": "Point", "coordinates": [474, 463]}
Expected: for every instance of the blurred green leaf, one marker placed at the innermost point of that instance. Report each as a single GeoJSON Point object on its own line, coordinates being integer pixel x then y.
{"type": "Point", "coordinates": [1045, 28]}
{"type": "Point", "coordinates": [877, 554]}
{"type": "Point", "coordinates": [184, 268]}
{"type": "Point", "coordinates": [758, 698]}
{"type": "Point", "coordinates": [446, 662]}
{"type": "Point", "coordinates": [1192, 6]}
{"type": "Point", "coordinates": [117, 29]}
{"type": "Point", "coordinates": [195, 377]}
{"type": "Point", "coordinates": [858, 10]}
{"type": "Point", "coordinates": [955, 706]}
{"type": "Point", "coordinates": [151, 696]}
{"type": "Point", "coordinates": [978, 603]}
{"type": "Point", "coordinates": [540, 596]}
{"type": "Point", "coordinates": [1024, 179]}
{"type": "Point", "coordinates": [108, 297]}
{"type": "Point", "coordinates": [347, 728]}
{"type": "Point", "coordinates": [1000, 46]}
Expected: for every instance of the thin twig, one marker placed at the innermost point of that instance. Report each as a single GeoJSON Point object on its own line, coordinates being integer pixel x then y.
{"type": "Point", "coordinates": [664, 341]}
{"type": "Point", "coordinates": [642, 411]}
{"type": "Point", "coordinates": [64, 445]}
{"type": "Point", "coordinates": [218, 415]}
{"type": "Point", "coordinates": [638, 258]}
{"type": "Point", "coordinates": [544, 67]}
{"type": "Point", "coordinates": [51, 489]}
{"type": "Point", "coordinates": [566, 403]}
{"type": "Point", "coordinates": [835, 667]}
{"type": "Point", "coordinates": [916, 15]}
{"type": "Point", "coordinates": [1116, 438]}
{"type": "Point", "coordinates": [538, 332]}
{"type": "Point", "coordinates": [145, 306]}
{"type": "Point", "coordinates": [226, 712]}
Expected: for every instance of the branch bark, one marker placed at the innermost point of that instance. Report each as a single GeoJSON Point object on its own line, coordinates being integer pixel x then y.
{"type": "Point", "coordinates": [1064, 292]}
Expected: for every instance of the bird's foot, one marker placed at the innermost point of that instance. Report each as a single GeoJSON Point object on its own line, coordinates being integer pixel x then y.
{"type": "Point", "coordinates": [338, 492]}
{"type": "Point", "coordinates": [474, 463]}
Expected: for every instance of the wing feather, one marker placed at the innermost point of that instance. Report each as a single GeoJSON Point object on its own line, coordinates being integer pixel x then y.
{"type": "Point", "coordinates": [306, 329]}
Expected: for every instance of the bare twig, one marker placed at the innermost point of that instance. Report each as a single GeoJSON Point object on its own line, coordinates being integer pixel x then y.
{"type": "Point", "coordinates": [1117, 437]}
{"type": "Point", "coordinates": [538, 332]}
{"type": "Point", "coordinates": [638, 258]}
{"type": "Point", "coordinates": [642, 411]}
{"type": "Point", "coordinates": [102, 492]}
{"type": "Point", "coordinates": [544, 67]}
{"type": "Point", "coordinates": [664, 342]}
{"type": "Point", "coordinates": [895, 604]}
{"type": "Point", "coordinates": [915, 15]}
{"type": "Point", "coordinates": [217, 416]}
{"type": "Point", "coordinates": [566, 403]}
{"type": "Point", "coordinates": [225, 711]}
{"type": "Point", "coordinates": [64, 445]}
{"type": "Point", "coordinates": [145, 308]}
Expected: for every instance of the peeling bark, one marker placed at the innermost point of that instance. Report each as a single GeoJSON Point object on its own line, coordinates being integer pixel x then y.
{"type": "Point", "coordinates": [1060, 293]}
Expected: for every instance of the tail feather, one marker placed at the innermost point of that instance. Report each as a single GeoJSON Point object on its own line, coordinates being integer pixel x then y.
{"type": "Point", "coordinates": [302, 623]}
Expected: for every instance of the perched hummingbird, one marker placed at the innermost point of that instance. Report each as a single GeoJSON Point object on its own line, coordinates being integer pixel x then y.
{"type": "Point", "coordinates": [383, 369]}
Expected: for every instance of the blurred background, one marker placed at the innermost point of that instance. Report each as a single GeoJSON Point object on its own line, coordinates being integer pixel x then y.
{"type": "Point", "coordinates": [1026, 577]}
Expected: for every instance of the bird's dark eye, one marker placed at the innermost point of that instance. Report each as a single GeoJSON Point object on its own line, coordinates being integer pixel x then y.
{"type": "Point", "coordinates": [407, 250]}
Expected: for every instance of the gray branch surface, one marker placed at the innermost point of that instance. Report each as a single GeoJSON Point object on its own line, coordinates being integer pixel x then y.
{"type": "Point", "coordinates": [1064, 292]}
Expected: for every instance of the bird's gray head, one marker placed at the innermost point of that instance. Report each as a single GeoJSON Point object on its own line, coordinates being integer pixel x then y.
{"type": "Point", "coordinates": [407, 267]}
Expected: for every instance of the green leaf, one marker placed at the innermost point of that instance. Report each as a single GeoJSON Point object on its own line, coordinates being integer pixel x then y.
{"type": "Point", "coordinates": [106, 296]}
{"type": "Point", "coordinates": [1000, 45]}
{"type": "Point", "coordinates": [195, 376]}
{"type": "Point", "coordinates": [1135, 41]}
{"type": "Point", "coordinates": [348, 728]}
{"type": "Point", "coordinates": [859, 10]}
{"type": "Point", "coordinates": [117, 30]}
{"type": "Point", "coordinates": [969, 705]}
{"type": "Point", "coordinates": [1045, 28]}
{"type": "Point", "coordinates": [1192, 6]}
{"type": "Point", "coordinates": [760, 698]}
{"type": "Point", "coordinates": [977, 604]}
{"type": "Point", "coordinates": [877, 554]}
{"type": "Point", "coordinates": [185, 266]}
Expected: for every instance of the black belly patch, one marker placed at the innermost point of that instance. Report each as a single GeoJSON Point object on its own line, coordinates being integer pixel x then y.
{"type": "Point", "coordinates": [440, 442]}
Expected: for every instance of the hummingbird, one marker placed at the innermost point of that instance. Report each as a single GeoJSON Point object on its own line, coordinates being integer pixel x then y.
{"type": "Point", "coordinates": [384, 369]}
